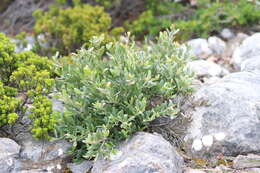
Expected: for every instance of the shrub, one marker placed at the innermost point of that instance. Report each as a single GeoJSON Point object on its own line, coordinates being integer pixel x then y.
{"type": "Point", "coordinates": [108, 3]}
{"type": "Point", "coordinates": [25, 76]}
{"type": "Point", "coordinates": [212, 17]}
{"type": "Point", "coordinates": [208, 17]}
{"type": "Point", "coordinates": [108, 98]}
{"type": "Point", "coordinates": [154, 19]}
{"type": "Point", "coordinates": [104, 3]}
{"type": "Point", "coordinates": [68, 29]}
{"type": "Point", "coordinates": [147, 24]}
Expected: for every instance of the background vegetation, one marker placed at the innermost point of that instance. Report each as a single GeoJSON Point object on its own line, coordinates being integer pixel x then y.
{"type": "Point", "coordinates": [68, 29]}
{"type": "Point", "coordinates": [205, 18]}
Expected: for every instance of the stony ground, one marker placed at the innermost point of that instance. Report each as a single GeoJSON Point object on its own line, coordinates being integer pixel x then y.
{"type": "Point", "coordinates": [222, 133]}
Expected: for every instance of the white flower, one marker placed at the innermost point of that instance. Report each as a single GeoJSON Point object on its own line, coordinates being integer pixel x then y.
{"type": "Point", "coordinates": [197, 145]}
{"type": "Point", "coordinates": [207, 140]}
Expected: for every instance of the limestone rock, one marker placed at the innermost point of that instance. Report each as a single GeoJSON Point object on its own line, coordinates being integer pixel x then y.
{"type": "Point", "coordinates": [250, 48]}
{"type": "Point", "coordinates": [227, 34]}
{"type": "Point", "coordinates": [234, 43]}
{"type": "Point", "coordinates": [200, 48]}
{"type": "Point", "coordinates": [203, 68]}
{"type": "Point", "coordinates": [36, 150]}
{"type": "Point", "coordinates": [20, 47]}
{"type": "Point", "coordinates": [80, 168]}
{"type": "Point", "coordinates": [251, 64]}
{"type": "Point", "coordinates": [9, 151]}
{"type": "Point", "coordinates": [57, 105]}
{"type": "Point", "coordinates": [249, 161]}
{"type": "Point", "coordinates": [144, 152]}
{"type": "Point", "coordinates": [189, 170]}
{"type": "Point", "coordinates": [217, 45]}
{"type": "Point", "coordinates": [225, 117]}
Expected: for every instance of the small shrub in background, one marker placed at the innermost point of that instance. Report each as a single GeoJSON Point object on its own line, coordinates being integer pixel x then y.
{"type": "Point", "coordinates": [213, 16]}
{"type": "Point", "coordinates": [66, 30]}
{"type": "Point", "coordinates": [156, 18]}
{"type": "Point", "coordinates": [105, 3]}
{"type": "Point", "coordinates": [108, 3]}
{"type": "Point", "coordinates": [108, 98]}
{"type": "Point", "coordinates": [209, 16]}
{"type": "Point", "coordinates": [147, 24]}
{"type": "Point", "coordinates": [25, 76]}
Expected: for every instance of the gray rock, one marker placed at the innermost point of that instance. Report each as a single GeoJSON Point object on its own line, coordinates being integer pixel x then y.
{"type": "Point", "coordinates": [196, 84]}
{"type": "Point", "coordinates": [199, 48]}
{"type": "Point", "coordinates": [248, 49]}
{"type": "Point", "coordinates": [249, 161]}
{"type": "Point", "coordinates": [20, 47]}
{"type": "Point", "coordinates": [9, 151]}
{"type": "Point", "coordinates": [240, 37]}
{"type": "Point", "coordinates": [190, 170]}
{"type": "Point", "coordinates": [225, 117]}
{"type": "Point", "coordinates": [251, 64]}
{"type": "Point", "coordinates": [27, 166]}
{"type": "Point", "coordinates": [38, 156]}
{"type": "Point", "coordinates": [211, 80]}
{"type": "Point", "coordinates": [227, 34]}
{"type": "Point", "coordinates": [57, 105]}
{"type": "Point", "coordinates": [36, 150]}
{"type": "Point", "coordinates": [234, 43]}
{"type": "Point", "coordinates": [21, 128]}
{"type": "Point", "coordinates": [217, 45]}
{"type": "Point", "coordinates": [144, 152]}
{"type": "Point", "coordinates": [203, 68]}
{"type": "Point", "coordinates": [29, 42]}
{"type": "Point", "coordinates": [251, 170]}
{"type": "Point", "coordinates": [8, 147]}
{"type": "Point", "coordinates": [80, 168]}
{"type": "Point", "coordinates": [32, 171]}
{"type": "Point", "coordinates": [35, 156]}
{"type": "Point", "coordinates": [222, 169]}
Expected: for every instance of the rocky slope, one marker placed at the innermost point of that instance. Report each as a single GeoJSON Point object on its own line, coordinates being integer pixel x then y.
{"type": "Point", "coordinates": [222, 134]}
{"type": "Point", "coordinates": [16, 15]}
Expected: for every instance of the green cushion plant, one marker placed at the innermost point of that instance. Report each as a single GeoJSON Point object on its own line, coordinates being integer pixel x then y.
{"type": "Point", "coordinates": [25, 77]}
{"type": "Point", "coordinates": [66, 30]}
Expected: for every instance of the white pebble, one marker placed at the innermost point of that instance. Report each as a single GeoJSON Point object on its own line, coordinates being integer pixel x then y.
{"type": "Point", "coordinates": [197, 145]}
{"type": "Point", "coordinates": [58, 166]}
{"type": "Point", "coordinates": [60, 152]}
{"type": "Point", "coordinates": [50, 168]}
{"type": "Point", "coordinates": [219, 136]}
{"type": "Point", "coordinates": [9, 161]}
{"type": "Point", "coordinates": [207, 140]}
